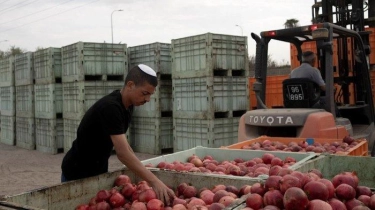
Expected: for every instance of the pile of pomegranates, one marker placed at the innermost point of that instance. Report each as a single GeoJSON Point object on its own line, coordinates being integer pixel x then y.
{"type": "Point", "coordinates": [237, 167]}
{"type": "Point", "coordinates": [140, 196]}
{"type": "Point", "coordinates": [337, 147]}
{"type": "Point", "coordinates": [310, 191]}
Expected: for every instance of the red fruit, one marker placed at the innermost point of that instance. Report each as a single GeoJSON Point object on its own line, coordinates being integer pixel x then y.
{"type": "Point", "coordinates": [117, 200]}
{"type": "Point", "coordinates": [289, 160]}
{"type": "Point", "coordinates": [260, 171]}
{"type": "Point", "coordinates": [92, 201]}
{"type": "Point", "coordinates": [143, 186]}
{"type": "Point", "coordinates": [337, 204]}
{"type": "Point", "coordinates": [289, 181]}
{"type": "Point", "coordinates": [194, 202]}
{"type": "Point", "coordinates": [284, 171]}
{"type": "Point", "coordinates": [138, 206]}
{"type": "Point", "coordinates": [239, 160]}
{"type": "Point", "coordinates": [361, 208]}
{"type": "Point", "coordinates": [365, 199]}
{"type": "Point", "coordinates": [121, 180]}
{"type": "Point", "coordinates": [169, 166]}
{"type": "Point", "coordinates": [208, 157]}
{"type": "Point", "coordinates": [128, 189]}
{"type": "Point", "coordinates": [226, 200]}
{"type": "Point", "coordinates": [246, 189]}
{"type": "Point", "coordinates": [258, 188]}
{"type": "Point", "coordinates": [345, 192]}
{"type": "Point", "coordinates": [218, 195]}
{"type": "Point", "coordinates": [372, 202]}
{"type": "Point", "coordinates": [269, 207]}
{"type": "Point", "coordinates": [218, 187]}
{"type": "Point", "coordinates": [190, 191]}
{"type": "Point", "coordinates": [346, 178]}
{"type": "Point", "coordinates": [211, 166]}
{"type": "Point", "coordinates": [82, 207]}
{"type": "Point", "coordinates": [161, 165]}
{"type": "Point", "coordinates": [103, 206]}
{"type": "Point", "coordinates": [363, 190]}
{"type": "Point", "coordinates": [216, 206]}
{"type": "Point", "coordinates": [194, 169]}
{"type": "Point", "coordinates": [155, 204]}
{"type": "Point", "coordinates": [233, 170]}
{"type": "Point", "coordinates": [267, 158]}
{"type": "Point", "coordinates": [197, 162]}
{"type": "Point", "coordinates": [276, 161]}
{"type": "Point", "coordinates": [318, 205]}
{"type": "Point", "coordinates": [298, 175]}
{"type": "Point", "coordinates": [273, 197]}
{"type": "Point", "coordinates": [136, 195]}
{"type": "Point", "coordinates": [181, 187]}
{"type": "Point", "coordinates": [273, 182]}
{"type": "Point", "coordinates": [232, 189]}
{"type": "Point", "coordinates": [208, 197]}
{"type": "Point", "coordinates": [179, 201]}
{"type": "Point", "coordinates": [316, 190]}
{"type": "Point", "coordinates": [257, 160]}
{"type": "Point", "coordinates": [317, 172]}
{"type": "Point", "coordinates": [192, 157]}
{"type": "Point", "coordinates": [350, 204]}
{"type": "Point", "coordinates": [102, 195]}
{"type": "Point", "coordinates": [179, 207]}
{"type": "Point", "coordinates": [348, 139]}
{"type": "Point", "coordinates": [147, 195]}
{"type": "Point", "coordinates": [254, 201]}
{"type": "Point", "coordinates": [250, 163]}
{"type": "Point", "coordinates": [295, 199]}
{"type": "Point", "coordinates": [330, 187]}
{"type": "Point", "coordinates": [274, 170]}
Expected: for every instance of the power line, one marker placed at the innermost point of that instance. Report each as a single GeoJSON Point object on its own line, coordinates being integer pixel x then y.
{"type": "Point", "coordinates": [18, 7]}
{"type": "Point", "coordinates": [49, 16]}
{"type": "Point", "coordinates": [36, 12]}
{"type": "Point", "coordinates": [13, 6]}
{"type": "Point", "coordinates": [4, 1]}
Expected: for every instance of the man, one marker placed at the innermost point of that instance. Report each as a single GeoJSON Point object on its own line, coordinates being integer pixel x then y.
{"type": "Point", "coordinates": [307, 70]}
{"type": "Point", "coordinates": [104, 126]}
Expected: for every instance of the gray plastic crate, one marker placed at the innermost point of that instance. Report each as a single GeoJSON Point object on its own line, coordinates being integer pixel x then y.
{"type": "Point", "coordinates": [78, 97]}
{"type": "Point", "coordinates": [23, 68]}
{"type": "Point", "coordinates": [47, 65]}
{"type": "Point", "coordinates": [201, 97]}
{"type": "Point", "coordinates": [84, 59]}
{"type": "Point", "coordinates": [190, 133]}
{"type": "Point", "coordinates": [70, 132]}
{"type": "Point", "coordinates": [8, 129]}
{"type": "Point", "coordinates": [151, 134]}
{"type": "Point", "coordinates": [8, 101]}
{"type": "Point", "coordinates": [7, 72]}
{"type": "Point", "coordinates": [156, 55]}
{"type": "Point", "coordinates": [25, 132]}
{"type": "Point", "coordinates": [49, 135]}
{"type": "Point", "coordinates": [25, 106]}
{"type": "Point", "coordinates": [209, 55]}
{"type": "Point", "coordinates": [48, 101]}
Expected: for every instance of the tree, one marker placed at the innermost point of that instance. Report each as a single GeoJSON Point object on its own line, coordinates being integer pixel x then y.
{"type": "Point", "coordinates": [39, 48]}
{"type": "Point", "coordinates": [12, 51]}
{"type": "Point", "coordinates": [291, 23]}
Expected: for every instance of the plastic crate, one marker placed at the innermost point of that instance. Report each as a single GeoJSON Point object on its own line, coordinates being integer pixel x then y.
{"type": "Point", "coordinates": [78, 97]}
{"type": "Point", "coordinates": [83, 60]}
{"type": "Point", "coordinates": [25, 132]}
{"type": "Point", "coordinates": [47, 65]}
{"type": "Point", "coordinates": [25, 106]}
{"type": "Point", "coordinates": [156, 55]}
{"type": "Point", "coordinates": [70, 132]}
{"type": "Point", "coordinates": [8, 101]}
{"type": "Point", "coordinates": [23, 68]}
{"type": "Point", "coordinates": [207, 95]}
{"type": "Point", "coordinates": [7, 72]}
{"type": "Point", "coordinates": [332, 165]}
{"type": "Point", "coordinates": [8, 129]}
{"type": "Point", "coordinates": [151, 134]}
{"type": "Point", "coordinates": [48, 101]}
{"type": "Point", "coordinates": [49, 135]}
{"type": "Point", "coordinates": [361, 149]}
{"type": "Point", "coordinates": [70, 194]}
{"type": "Point", "coordinates": [207, 55]}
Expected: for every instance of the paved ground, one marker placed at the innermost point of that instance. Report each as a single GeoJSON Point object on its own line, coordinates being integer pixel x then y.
{"type": "Point", "coordinates": [23, 170]}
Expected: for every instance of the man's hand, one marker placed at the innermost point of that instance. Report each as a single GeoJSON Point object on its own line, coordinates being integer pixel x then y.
{"type": "Point", "coordinates": [164, 193]}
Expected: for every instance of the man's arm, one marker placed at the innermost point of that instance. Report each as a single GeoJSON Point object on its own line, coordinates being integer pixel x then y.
{"type": "Point", "coordinates": [126, 155]}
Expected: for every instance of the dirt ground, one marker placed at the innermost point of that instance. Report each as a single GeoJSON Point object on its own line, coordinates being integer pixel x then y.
{"type": "Point", "coordinates": [24, 170]}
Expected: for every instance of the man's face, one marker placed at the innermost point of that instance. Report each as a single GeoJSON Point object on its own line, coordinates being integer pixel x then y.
{"type": "Point", "coordinates": [141, 94]}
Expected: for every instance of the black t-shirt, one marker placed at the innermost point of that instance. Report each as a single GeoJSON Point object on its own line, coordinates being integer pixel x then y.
{"type": "Point", "coordinates": [91, 150]}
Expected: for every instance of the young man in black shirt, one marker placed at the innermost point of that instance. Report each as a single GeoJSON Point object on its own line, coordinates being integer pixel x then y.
{"type": "Point", "coordinates": [104, 126]}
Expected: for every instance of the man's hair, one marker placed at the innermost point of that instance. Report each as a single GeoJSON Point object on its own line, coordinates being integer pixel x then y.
{"type": "Point", "coordinates": [139, 77]}
{"type": "Point", "coordinates": [308, 57]}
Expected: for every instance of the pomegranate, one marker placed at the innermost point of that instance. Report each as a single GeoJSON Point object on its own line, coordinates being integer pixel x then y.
{"type": "Point", "coordinates": [273, 197]}
{"type": "Point", "coordinates": [218, 187]}
{"type": "Point", "coordinates": [128, 189]}
{"type": "Point", "coordinates": [226, 200]}
{"type": "Point", "coordinates": [273, 182]}
{"type": "Point", "coordinates": [258, 188]}
{"type": "Point", "coordinates": [195, 202]}
{"type": "Point", "coordinates": [345, 192]}
{"type": "Point", "coordinates": [254, 201]}
{"type": "Point", "coordinates": [269, 207]}
{"type": "Point", "coordinates": [190, 191]}
{"type": "Point", "coordinates": [267, 158]}
{"type": "Point", "coordinates": [179, 167]}
{"type": "Point", "coordinates": [363, 190]}
{"type": "Point", "coordinates": [330, 187]}
{"type": "Point", "coordinates": [284, 171]}
{"type": "Point", "coordinates": [365, 199]}
{"type": "Point", "coordinates": [316, 190]}
{"type": "Point", "coordinates": [155, 204]}
{"type": "Point", "coordinates": [121, 180]}
{"type": "Point", "coordinates": [147, 195]}
{"type": "Point", "coordinates": [117, 200]}
{"type": "Point", "coordinates": [102, 205]}
{"type": "Point", "coordinates": [274, 170]}
{"type": "Point", "coordinates": [246, 189]}
{"type": "Point", "coordinates": [295, 199]}
{"type": "Point", "coordinates": [346, 178]}
{"type": "Point", "coordinates": [179, 207]}
{"type": "Point", "coordinates": [318, 205]}
{"type": "Point", "coordinates": [92, 201]}
{"type": "Point", "coordinates": [102, 195]}
{"type": "Point", "coordinates": [192, 157]}
{"type": "Point", "coordinates": [337, 204]}
{"type": "Point", "coordinates": [161, 165]}
{"type": "Point", "coordinates": [350, 204]}
{"type": "Point", "coordinates": [218, 195]}
{"type": "Point", "coordinates": [232, 189]}
{"type": "Point", "coordinates": [179, 201]}
{"type": "Point", "coordinates": [289, 160]}
{"type": "Point", "coordinates": [181, 187]}
{"type": "Point", "coordinates": [348, 139]}
{"type": "Point", "coordinates": [207, 197]}
{"type": "Point", "coordinates": [372, 202]}
{"type": "Point", "coordinates": [289, 181]}
{"type": "Point", "coordinates": [82, 207]}
{"type": "Point", "coordinates": [317, 172]}
{"type": "Point", "coordinates": [361, 208]}
{"type": "Point", "coordinates": [136, 195]}
{"type": "Point", "coordinates": [197, 162]}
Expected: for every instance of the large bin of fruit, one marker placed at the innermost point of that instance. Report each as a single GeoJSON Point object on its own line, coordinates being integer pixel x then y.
{"type": "Point", "coordinates": [238, 163]}
{"type": "Point", "coordinates": [347, 146]}
{"type": "Point", "coordinates": [98, 192]}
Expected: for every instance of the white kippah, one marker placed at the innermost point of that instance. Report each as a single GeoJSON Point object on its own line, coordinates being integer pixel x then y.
{"type": "Point", "coordinates": [147, 70]}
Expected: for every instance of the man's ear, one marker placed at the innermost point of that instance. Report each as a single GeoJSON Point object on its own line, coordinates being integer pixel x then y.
{"type": "Point", "coordinates": [130, 85]}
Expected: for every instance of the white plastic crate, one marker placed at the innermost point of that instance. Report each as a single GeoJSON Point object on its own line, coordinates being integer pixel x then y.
{"type": "Point", "coordinates": [203, 96]}
{"type": "Point", "coordinates": [23, 68]}
{"type": "Point", "coordinates": [8, 101]}
{"type": "Point", "coordinates": [8, 129]}
{"type": "Point", "coordinates": [151, 134]}
{"type": "Point", "coordinates": [189, 133]}
{"type": "Point", "coordinates": [49, 135]}
{"type": "Point", "coordinates": [47, 65]}
{"type": "Point", "coordinates": [84, 59]}
{"type": "Point", "coordinates": [25, 106]}
{"type": "Point", "coordinates": [70, 132]}
{"type": "Point", "coordinates": [7, 72]}
{"type": "Point", "coordinates": [209, 55]}
{"type": "Point", "coordinates": [78, 97]}
{"type": "Point", "coordinates": [156, 55]}
{"type": "Point", "coordinates": [48, 101]}
{"type": "Point", "coordinates": [25, 132]}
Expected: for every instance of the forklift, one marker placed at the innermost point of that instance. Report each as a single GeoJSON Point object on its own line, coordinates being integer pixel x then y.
{"type": "Point", "coordinates": [299, 118]}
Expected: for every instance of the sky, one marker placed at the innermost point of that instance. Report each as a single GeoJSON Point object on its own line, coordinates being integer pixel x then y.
{"type": "Point", "coordinates": [29, 24]}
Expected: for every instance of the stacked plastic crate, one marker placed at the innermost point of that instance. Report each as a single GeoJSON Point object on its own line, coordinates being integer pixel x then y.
{"type": "Point", "coordinates": [25, 107]}
{"type": "Point", "coordinates": [7, 101]}
{"type": "Point", "coordinates": [89, 72]}
{"type": "Point", "coordinates": [48, 101]}
{"type": "Point", "coordinates": [151, 129]}
{"type": "Point", "coordinates": [210, 94]}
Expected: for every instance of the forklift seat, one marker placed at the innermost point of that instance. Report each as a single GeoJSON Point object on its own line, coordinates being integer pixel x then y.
{"type": "Point", "coordinates": [300, 93]}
